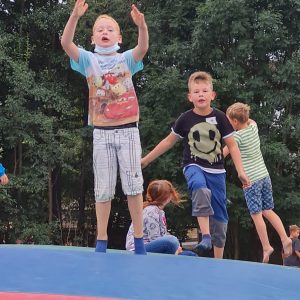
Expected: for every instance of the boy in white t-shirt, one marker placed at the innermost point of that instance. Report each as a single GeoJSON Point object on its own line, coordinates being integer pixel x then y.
{"type": "Point", "coordinates": [114, 113]}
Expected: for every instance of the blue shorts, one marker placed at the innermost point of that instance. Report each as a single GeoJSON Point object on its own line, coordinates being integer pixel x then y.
{"type": "Point", "coordinates": [259, 196]}
{"type": "Point", "coordinates": [212, 187]}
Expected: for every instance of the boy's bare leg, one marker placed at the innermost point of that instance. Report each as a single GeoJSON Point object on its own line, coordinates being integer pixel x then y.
{"type": "Point", "coordinates": [276, 222]}
{"type": "Point", "coordinates": [102, 214]}
{"type": "Point", "coordinates": [218, 252]}
{"type": "Point", "coordinates": [135, 205]}
{"type": "Point", "coordinates": [261, 229]}
{"type": "Point", "coordinates": [203, 224]}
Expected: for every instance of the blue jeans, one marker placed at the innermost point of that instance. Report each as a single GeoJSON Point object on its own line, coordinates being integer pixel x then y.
{"type": "Point", "coordinates": [167, 244]}
{"type": "Point", "coordinates": [198, 180]}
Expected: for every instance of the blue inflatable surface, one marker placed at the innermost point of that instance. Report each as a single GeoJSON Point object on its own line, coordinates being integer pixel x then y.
{"type": "Point", "coordinates": [118, 274]}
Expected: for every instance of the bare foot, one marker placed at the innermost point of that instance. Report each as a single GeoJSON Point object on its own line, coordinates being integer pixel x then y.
{"type": "Point", "coordinates": [266, 255]}
{"type": "Point", "coordinates": [287, 247]}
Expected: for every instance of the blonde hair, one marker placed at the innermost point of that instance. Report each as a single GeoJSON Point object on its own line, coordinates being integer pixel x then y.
{"type": "Point", "coordinates": [159, 191]}
{"type": "Point", "coordinates": [293, 228]}
{"type": "Point", "coordinates": [109, 18]}
{"type": "Point", "coordinates": [239, 111]}
{"type": "Point", "coordinates": [199, 76]}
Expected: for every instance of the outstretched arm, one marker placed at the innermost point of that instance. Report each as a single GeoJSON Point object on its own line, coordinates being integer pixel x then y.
{"type": "Point", "coordinates": [68, 35]}
{"type": "Point", "coordinates": [160, 149]}
{"type": "Point", "coordinates": [225, 151]}
{"type": "Point", "coordinates": [143, 39]}
{"type": "Point", "coordinates": [236, 157]}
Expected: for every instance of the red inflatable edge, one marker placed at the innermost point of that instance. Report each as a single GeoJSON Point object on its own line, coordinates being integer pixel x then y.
{"type": "Point", "coordinates": [35, 296]}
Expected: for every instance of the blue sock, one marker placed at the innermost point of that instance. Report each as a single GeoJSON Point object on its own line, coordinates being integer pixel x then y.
{"type": "Point", "coordinates": [139, 246]}
{"type": "Point", "coordinates": [205, 243]}
{"type": "Point", "coordinates": [101, 246]}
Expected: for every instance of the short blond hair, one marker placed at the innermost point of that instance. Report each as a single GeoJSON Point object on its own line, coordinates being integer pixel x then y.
{"type": "Point", "coordinates": [293, 228]}
{"type": "Point", "coordinates": [109, 18]}
{"type": "Point", "coordinates": [199, 76]}
{"type": "Point", "coordinates": [239, 111]}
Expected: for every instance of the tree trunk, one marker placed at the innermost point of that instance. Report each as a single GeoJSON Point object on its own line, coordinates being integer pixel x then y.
{"type": "Point", "coordinates": [81, 213]}
{"type": "Point", "coordinates": [235, 237]}
{"type": "Point", "coordinates": [50, 196]}
{"type": "Point", "coordinates": [19, 167]}
{"type": "Point", "coordinates": [56, 192]}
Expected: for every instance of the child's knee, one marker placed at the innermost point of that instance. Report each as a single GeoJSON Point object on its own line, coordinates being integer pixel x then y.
{"type": "Point", "coordinates": [201, 203]}
{"type": "Point", "coordinates": [172, 240]}
{"type": "Point", "coordinates": [267, 213]}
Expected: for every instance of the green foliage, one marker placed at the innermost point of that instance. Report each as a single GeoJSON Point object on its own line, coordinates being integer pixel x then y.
{"type": "Point", "coordinates": [37, 233]}
{"type": "Point", "coordinates": [179, 220]}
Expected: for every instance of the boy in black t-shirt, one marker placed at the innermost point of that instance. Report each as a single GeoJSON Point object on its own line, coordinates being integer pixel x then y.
{"type": "Point", "coordinates": [202, 130]}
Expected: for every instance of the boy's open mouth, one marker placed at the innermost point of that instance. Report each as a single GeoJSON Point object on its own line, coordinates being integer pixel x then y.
{"type": "Point", "coordinates": [105, 39]}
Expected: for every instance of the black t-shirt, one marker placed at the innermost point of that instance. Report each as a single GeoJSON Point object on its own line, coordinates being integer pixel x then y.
{"type": "Point", "coordinates": [202, 137]}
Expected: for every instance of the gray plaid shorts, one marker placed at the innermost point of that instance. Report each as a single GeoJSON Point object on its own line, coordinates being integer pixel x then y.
{"type": "Point", "coordinates": [113, 149]}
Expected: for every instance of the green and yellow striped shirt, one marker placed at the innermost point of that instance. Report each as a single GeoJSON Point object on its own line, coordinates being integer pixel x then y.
{"type": "Point", "coordinates": [249, 144]}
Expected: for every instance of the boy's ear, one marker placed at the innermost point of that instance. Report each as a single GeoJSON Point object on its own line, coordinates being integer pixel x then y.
{"type": "Point", "coordinates": [214, 94]}
{"type": "Point", "coordinates": [120, 39]}
{"type": "Point", "coordinates": [188, 96]}
{"type": "Point", "coordinates": [236, 122]}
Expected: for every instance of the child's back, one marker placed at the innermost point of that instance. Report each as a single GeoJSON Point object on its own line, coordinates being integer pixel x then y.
{"type": "Point", "coordinates": [259, 196]}
{"type": "Point", "coordinates": [249, 144]}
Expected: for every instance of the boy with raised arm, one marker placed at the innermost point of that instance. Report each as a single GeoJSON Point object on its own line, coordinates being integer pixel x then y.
{"type": "Point", "coordinates": [114, 113]}
{"type": "Point", "coordinates": [203, 129]}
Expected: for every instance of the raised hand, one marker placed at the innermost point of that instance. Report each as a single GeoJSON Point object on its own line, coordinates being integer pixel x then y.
{"type": "Point", "coordinates": [80, 8]}
{"type": "Point", "coordinates": [4, 179]}
{"type": "Point", "coordinates": [137, 17]}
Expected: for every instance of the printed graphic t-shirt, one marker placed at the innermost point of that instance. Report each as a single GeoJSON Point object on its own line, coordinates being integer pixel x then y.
{"type": "Point", "coordinates": [202, 138]}
{"type": "Point", "coordinates": [112, 98]}
{"type": "Point", "coordinates": [155, 226]}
